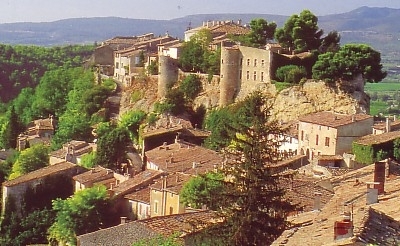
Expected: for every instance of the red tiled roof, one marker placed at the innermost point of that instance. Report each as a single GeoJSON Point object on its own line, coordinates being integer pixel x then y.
{"type": "Point", "coordinates": [331, 119]}
{"type": "Point", "coordinates": [174, 182]}
{"type": "Point", "coordinates": [186, 158]}
{"type": "Point", "coordinates": [379, 138]}
{"type": "Point", "coordinates": [96, 174]}
{"type": "Point", "coordinates": [184, 223]}
{"type": "Point", "coordinates": [40, 173]}
{"type": "Point", "coordinates": [138, 181]}
{"type": "Point", "coordinates": [142, 195]}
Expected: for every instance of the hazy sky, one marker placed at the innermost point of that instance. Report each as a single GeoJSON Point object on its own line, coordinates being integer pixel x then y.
{"type": "Point", "coordinates": [50, 10]}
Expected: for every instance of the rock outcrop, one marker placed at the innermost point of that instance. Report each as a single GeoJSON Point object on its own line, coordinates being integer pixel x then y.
{"type": "Point", "coordinates": [316, 96]}
{"type": "Point", "coordinates": [290, 103]}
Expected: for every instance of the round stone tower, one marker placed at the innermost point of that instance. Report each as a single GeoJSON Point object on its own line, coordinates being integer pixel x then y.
{"type": "Point", "coordinates": [230, 75]}
{"type": "Point", "coordinates": [167, 74]}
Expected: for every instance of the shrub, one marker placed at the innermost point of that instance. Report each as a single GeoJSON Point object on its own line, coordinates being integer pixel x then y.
{"type": "Point", "coordinates": [291, 73]}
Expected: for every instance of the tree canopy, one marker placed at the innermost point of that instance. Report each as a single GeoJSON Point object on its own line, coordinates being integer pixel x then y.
{"type": "Point", "coordinates": [252, 202]}
{"type": "Point", "coordinates": [300, 32]}
{"type": "Point", "coordinates": [261, 31]}
{"type": "Point", "coordinates": [84, 212]}
{"type": "Point", "coordinates": [348, 62]}
{"type": "Point", "coordinates": [31, 159]}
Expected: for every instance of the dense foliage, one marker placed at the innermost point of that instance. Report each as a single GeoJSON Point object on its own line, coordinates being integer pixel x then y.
{"type": "Point", "coordinates": [252, 203]}
{"type": "Point", "coordinates": [29, 160]}
{"type": "Point", "coordinates": [196, 55]}
{"type": "Point", "coordinates": [84, 212]}
{"type": "Point", "coordinates": [348, 62]}
{"type": "Point", "coordinates": [300, 32]}
{"type": "Point", "coordinates": [291, 74]}
{"type": "Point", "coordinates": [191, 86]}
{"type": "Point", "coordinates": [23, 66]}
{"type": "Point", "coordinates": [202, 190]}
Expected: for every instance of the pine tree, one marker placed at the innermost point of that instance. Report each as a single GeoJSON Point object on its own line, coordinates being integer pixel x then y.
{"type": "Point", "coordinates": [252, 203]}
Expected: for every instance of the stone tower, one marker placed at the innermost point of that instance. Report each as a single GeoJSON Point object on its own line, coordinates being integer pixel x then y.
{"type": "Point", "coordinates": [230, 75]}
{"type": "Point", "coordinates": [167, 74]}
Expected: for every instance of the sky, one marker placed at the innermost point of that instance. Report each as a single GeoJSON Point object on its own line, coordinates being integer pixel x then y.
{"type": "Point", "coordinates": [51, 10]}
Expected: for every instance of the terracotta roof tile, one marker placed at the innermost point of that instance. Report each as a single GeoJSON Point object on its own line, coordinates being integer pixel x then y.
{"type": "Point", "coordinates": [379, 138]}
{"type": "Point", "coordinates": [317, 228]}
{"type": "Point", "coordinates": [138, 181]}
{"type": "Point", "coordinates": [129, 233]}
{"type": "Point", "coordinates": [96, 174]}
{"type": "Point", "coordinates": [331, 119]}
{"type": "Point", "coordinates": [142, 195]}
{"type": "Point", "coordinates": [174, 182]}
{"type": "Point", "coordinates": [40, 173]}
{"type": "Point", "coordinates": [184, 157]}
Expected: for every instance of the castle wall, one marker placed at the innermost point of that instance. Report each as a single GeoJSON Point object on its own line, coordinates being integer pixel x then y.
{"type": "Point", "coordinates": [230, 75]}
{"type": "Point", "coordinates": [167, 75]}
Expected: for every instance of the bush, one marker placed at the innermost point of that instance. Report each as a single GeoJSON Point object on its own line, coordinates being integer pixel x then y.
{"type": "Point", "coordinates": [291, 73]}
{"type": "Point", "coordinates": [191, 86]}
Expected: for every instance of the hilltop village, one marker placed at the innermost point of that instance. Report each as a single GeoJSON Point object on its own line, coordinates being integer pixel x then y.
{"type": "Point", "coordinates": [343, 166]}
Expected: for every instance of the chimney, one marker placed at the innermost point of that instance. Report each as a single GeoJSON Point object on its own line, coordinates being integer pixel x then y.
{"type": "Point", "coordinates": [379, 176]}
{"type": "Point", "coordinates": [317, 201]}
{"type": "Point", "coordinates": [123, 220]}
{"type": "Point", "coordinates": [372, 193]}
{"type": "Point", "coordinates": [387, 124]}
{"type": "Point", "coordinates": [344, 229]}
{"type": "Point", "coordinates": [164, 182]}
{"type": "Point", "coordinates": [194, 164]}
{"type": "Point", "coordinates": [239, 22]}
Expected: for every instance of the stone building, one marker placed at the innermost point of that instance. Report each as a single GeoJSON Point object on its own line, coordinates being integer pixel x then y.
{"type": "Point", "coordinates": [17, 187]}
{"type": "Point", "coordinates": [328, 133]}
{"type": "Point", "coordinates": [243, 70]}
{"type": "Point", "coordinates": [72, 152]}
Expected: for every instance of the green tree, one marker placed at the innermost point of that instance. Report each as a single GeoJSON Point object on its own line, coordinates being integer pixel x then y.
{"type": "Point", "coordinates": [217, 122]}
{"type": "Point", "coordinates": [291, 73]}
{"type": "Point", "coordinates": [261, 31]}
{"type": "Point", "coordinates": [84, 212]}
{"type": "Point", "coordinates": [13, 127]}
{"type": "Point", "coordinates": [203, 190]}
{"type": "Point", "coordinates": [330, 43]}
{"type": "Point", "coordinates": [112, 147]}
{"type": "Point", "coordinates": [152, 68]}
{"type": "Point", "coordinates": [396, 149]}
{"type": "Point", "coordinates": [252, 202]}
{"type": "Point", "coordinates": [131, 120]}
{"type": "Point", "coordinates": [191, 86]}
{"type": "Point", "coordinates": [194, 52]}
{"type": "Point", "coordinates": [159, 241]}
{"type": "Point", "coordinates": [29, 160]}
{"type": "Point", "coordinates": [350, 61]}
{"type": "Point", "coordinates": [300, 32]}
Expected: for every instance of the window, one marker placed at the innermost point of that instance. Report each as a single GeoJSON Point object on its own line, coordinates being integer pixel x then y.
{"type": "Point", "coordinates": [319, 127]}
{"type": "Point", "coordinates": [262, 63]}
{"type": "Point", "coordinates": [302, 135]}
{"type": "Point", "coordinates": [255, 62]}
{"type": "Point", "coordinates": [262, 76]}
{"type": "Point", "coordinates": [248, 62]}
{"type": "Point", "coordinates": [172, 194]}
{"type": "Point", "coordinates": [240, 74]}
{"type": "Point", "coordinates": [247, 75]}
{"type": "Point", "coordinates": [327, 141]}
{"type": "Point", "coordinates": [316, 140]}
{"type": "Point", "coordinates": [156, 207]}
{"type": "Point", "coordinates": [222, 61]}
{"type": "Point", "coordinates": [241, 61]}
{"type": "Point", "coordinates": [171, 210]}
{"type": "Point", "coordinates": [116, 65]}
{"type": "Point", "coordinates": [255, 76]}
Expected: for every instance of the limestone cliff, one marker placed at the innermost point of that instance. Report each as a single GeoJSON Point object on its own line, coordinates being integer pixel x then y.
{"type": "Point", "coordinates": [315, 96]}
{"type": "Point", "coordinates": [290, 103]}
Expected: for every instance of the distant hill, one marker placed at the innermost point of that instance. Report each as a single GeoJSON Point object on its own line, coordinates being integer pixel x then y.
{"type": "Point", "coordinates": [373, 26]}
